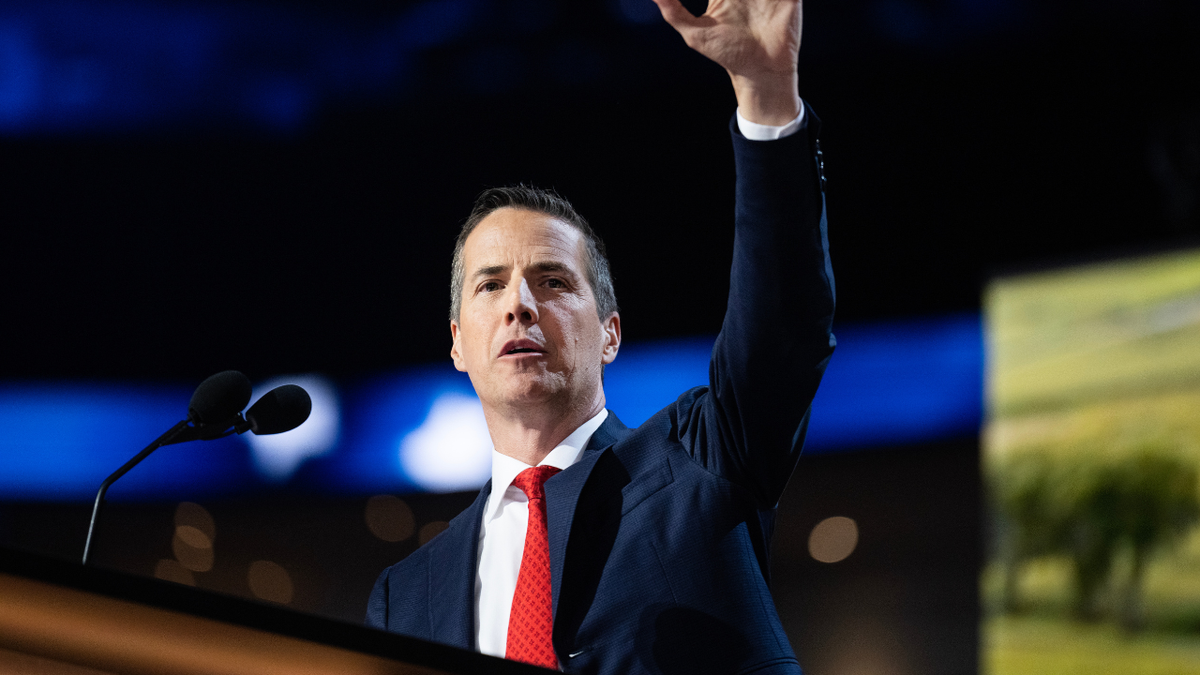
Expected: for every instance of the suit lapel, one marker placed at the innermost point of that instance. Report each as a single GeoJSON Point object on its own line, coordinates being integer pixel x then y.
{"type": "Point", "coordinates": [562, 496]}
{"type": "Point", "coordinates": [452, 576]}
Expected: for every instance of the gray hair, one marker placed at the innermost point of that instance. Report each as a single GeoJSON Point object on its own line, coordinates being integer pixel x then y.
{"type": "Point", "coordinates": [546, 202]}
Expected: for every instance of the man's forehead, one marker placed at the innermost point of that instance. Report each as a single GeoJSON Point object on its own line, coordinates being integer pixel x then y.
{"type": "Point", "coordinates": [511, 235]}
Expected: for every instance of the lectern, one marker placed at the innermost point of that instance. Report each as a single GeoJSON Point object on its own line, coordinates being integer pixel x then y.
{"type": "Point", "coordinates": [60, 618]}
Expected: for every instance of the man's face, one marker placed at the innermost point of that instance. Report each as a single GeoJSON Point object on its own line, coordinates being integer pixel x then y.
{"type": "Point", "coordinates": [528, 333]}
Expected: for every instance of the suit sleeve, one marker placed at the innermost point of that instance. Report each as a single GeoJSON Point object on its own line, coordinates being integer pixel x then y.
{"type": "Point", "coordinates": [776, 339]}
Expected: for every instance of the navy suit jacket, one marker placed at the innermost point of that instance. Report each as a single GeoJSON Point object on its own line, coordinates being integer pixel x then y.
{"type": "Point", "coordinates": [660, 535]}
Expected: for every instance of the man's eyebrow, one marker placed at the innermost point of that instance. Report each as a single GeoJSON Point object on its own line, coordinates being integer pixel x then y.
{"type": "Point", "coordinates": [553, 266]}
{"type": "Point", "coordinates": [544, 267]}
{"type": "Point", "coordinates": [489, 270]}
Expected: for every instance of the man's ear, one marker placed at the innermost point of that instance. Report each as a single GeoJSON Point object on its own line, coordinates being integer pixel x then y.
{"type": "Point", "coordinates": [612, 338]}
{"type": "Point", "coordinates": [456, 354]}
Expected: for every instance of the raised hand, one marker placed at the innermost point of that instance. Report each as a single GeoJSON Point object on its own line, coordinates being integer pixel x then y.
{"type": "Point", "coordinates": [757, 42]}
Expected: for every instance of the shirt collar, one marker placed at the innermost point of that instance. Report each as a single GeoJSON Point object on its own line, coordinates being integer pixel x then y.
{"type": "Point", "coordinates": [505, 468]}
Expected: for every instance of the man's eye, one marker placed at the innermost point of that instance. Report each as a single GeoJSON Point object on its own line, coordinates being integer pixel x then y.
{"type": "Point", "coordinates": [555, 283]}
{"type": "Point", "coordinates": [489, 287]}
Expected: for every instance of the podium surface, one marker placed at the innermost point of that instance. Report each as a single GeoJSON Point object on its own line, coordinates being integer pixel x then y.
{"type": "Point", "coordinates": [59, 618]}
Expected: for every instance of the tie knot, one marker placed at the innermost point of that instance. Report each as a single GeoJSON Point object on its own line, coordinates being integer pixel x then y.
{"type": "Point", "coordinates": [531, 480]}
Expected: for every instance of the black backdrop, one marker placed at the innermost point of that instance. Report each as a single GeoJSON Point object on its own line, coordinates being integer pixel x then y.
{"type": "Point", "coordinates": [174, 253]}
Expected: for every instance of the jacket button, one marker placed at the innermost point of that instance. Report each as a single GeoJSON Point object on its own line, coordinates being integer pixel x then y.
{"type": "Point", "coordinates": [820, 164]}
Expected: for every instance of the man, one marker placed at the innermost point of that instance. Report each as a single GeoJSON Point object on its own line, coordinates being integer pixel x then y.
{"type": "Point", "coordinates": [600, 549]}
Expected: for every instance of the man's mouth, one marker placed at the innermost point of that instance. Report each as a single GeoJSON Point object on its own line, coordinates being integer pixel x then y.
{"type": "Point", "coordinates": [513, 347]}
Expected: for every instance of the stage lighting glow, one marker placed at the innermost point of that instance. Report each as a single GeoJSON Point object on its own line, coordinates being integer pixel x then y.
{"type": "Point", "coordinates": [389, 518]}
{"type": "Point", "coordinates": [192, 515]}
{"type": "Point", "coordinates": [431, 530]}
{"type": "Point", "coordinates": [60, 440]}
{"type": "Point", "coordinates": [422, 429]}
{"type": "Point", "coordinates": [900, 382]}
{"type": "Point", "coordinates": [833, 539]}
{"type": "Point", "coordinates": [277, 456]}
{"type": "Point", "coordinates": [451, 450]}
{"type": "Point", "coordinates": [194, 558]}
{"type": "Point", "coordinates": [270, 581]}
{"type": "Point", "coordinates": [193, 537]}
{"type": "Point", "coordinates": [887, 384]}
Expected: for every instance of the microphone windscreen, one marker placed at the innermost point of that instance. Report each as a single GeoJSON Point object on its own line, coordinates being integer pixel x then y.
{"type": "Point", "coordinates": [282, 409]}
{"type": "Point", "coordinates": [219, 397]}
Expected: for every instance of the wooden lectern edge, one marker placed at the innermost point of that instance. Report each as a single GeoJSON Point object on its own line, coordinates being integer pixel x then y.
{"type": "Point", "coordinates": [126, 624]}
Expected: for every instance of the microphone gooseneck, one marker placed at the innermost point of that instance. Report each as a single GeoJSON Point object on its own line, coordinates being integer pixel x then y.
{"type": "Point", "coordinates": [214, 410]}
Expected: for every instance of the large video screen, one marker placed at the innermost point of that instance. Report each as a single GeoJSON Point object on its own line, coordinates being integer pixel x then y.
{"type": "Point", "coordinates": [1091, 452]}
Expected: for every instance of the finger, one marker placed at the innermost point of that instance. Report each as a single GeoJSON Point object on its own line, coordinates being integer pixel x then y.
{"type": "Point", "coordinates": [676, 14]}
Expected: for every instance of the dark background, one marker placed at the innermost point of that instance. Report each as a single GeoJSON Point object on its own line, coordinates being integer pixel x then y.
{"type": "Point", "coordinates": [174, 251]}
{"type": "Point", "coordinates": [960, 139]}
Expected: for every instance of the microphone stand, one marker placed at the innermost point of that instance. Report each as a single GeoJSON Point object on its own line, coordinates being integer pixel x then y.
{"type": "Point", "coordinates": [175, 434]}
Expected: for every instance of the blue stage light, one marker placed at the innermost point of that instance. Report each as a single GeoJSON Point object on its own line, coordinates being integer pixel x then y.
{"type": "Point", "coordinates": [278, 456]}
{"type": "Point", "coordinates": [901, 382]}
{"type": "Point", "coordinates": [422, 429]}
{"type": "Point", "coordinates": [61, 441]}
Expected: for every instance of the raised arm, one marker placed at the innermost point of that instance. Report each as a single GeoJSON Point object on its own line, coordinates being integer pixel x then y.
{"type": "Point", "coordinates": [776, 338]}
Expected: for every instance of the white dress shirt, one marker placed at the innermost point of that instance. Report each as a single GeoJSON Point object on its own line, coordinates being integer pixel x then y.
{"type": "Point", "coordinates": [502, 537]}
{"type": "Point", "coordinates": [502, 532]}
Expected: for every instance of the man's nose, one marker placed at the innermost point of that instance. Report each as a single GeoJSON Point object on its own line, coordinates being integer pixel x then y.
{"type": "Point", "coordinates": [522, 307]}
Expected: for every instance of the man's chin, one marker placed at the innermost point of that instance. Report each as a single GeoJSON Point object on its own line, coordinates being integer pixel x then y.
{"type": "Point", "coordinates": [522, 392]}
{"type": "Point", "coordinates": [533, 396]}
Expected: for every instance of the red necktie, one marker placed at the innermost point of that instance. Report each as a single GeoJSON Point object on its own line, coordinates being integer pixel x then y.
{"type": "Point", "coordinates": [531, 624]}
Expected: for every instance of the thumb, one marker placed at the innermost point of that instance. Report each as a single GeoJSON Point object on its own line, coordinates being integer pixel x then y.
{"type": "Point", "coordinates": [676, 14]}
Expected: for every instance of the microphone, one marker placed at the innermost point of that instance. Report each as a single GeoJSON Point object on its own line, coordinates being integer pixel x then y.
{"type": "Point", "coordinates": [282, 409]}
{"type": "Point", "coordinates": [216, 407]}
{"type": "Point", "coordinates": [214, 411]}
{"type": "Point", "coordinates": [219, 397]}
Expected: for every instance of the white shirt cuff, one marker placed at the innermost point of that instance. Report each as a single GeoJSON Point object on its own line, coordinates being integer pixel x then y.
{"type": "Point", "coordinates": [763, 132]}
